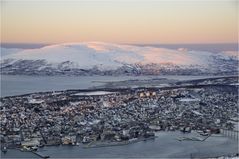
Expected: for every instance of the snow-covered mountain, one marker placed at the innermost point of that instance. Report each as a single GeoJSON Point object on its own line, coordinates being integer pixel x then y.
{"type": "Point", "coordinates": [100, 58]}
{"type": "Point", "coordinates": [8, 51]}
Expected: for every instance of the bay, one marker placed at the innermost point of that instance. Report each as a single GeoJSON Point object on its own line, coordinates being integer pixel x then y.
{"type": "Point", "coordinates": [165, 145]}
{"type": "Point", "coordinates": [12, 85]}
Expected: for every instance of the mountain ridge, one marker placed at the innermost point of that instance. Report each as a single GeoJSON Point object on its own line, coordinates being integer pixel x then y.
{"type": "Point", "coordinates": [89, 58]}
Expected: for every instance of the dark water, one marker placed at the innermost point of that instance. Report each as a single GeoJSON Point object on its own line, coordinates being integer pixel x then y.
{"type": "Point", "coordinates": [18, 154]}
{"type": "Point", "coordinates": [165, 146]}
{"type": "Point", "coordinates": [20, 84]}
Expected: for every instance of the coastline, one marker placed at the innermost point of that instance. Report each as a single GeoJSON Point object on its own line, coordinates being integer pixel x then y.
{"type": "Point", "coordinates": [105, 144]}
{"type": "Point", "coordinates": [214, 147]}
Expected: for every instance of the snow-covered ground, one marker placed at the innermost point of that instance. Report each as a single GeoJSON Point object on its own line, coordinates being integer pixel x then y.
{"type": "Point", "coordinates": [95, 93]}
{"type": "Point", "coordinates": [189, 99]}
{"type": "Point", "coordinates": [107, 56]}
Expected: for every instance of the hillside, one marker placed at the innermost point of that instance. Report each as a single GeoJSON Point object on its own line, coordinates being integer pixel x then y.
{"type": "Point", "coordinates": [100, 58]}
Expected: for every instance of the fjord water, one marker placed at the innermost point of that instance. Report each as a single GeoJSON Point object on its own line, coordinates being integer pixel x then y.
{"type": "Point", "coordinates": [164, 146]}
{"type": "Point", "coordinates": [12, 85]}
{"type": "Point", "coordinates": [20, 84]}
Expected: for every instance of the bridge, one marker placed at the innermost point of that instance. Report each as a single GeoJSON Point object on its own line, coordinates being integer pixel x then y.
{"type": "Point", "coordinates": [234, 134]}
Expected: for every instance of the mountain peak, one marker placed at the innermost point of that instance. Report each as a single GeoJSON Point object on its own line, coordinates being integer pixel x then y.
{"type": "Point", "coordinates": [109, 56]}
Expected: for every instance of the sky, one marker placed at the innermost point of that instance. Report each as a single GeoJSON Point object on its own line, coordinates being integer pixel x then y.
{"type": "Point", "coordinates": [119, 21]}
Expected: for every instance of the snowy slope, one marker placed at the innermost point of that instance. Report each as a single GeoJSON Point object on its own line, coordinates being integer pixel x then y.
{"type": "Point", "coordinates": [8, 51]}
{"type": "Point", "coordinates": [72, 57]}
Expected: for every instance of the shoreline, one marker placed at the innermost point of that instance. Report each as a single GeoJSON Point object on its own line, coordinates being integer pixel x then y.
{"type": "Point", "coordinates": [122, 143]}
{"type": "Point", "coordinates": [52, 151]}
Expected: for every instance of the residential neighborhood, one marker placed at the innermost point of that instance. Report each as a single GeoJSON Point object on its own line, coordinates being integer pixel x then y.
{"type": "Point", "coordinates": [101, 117]}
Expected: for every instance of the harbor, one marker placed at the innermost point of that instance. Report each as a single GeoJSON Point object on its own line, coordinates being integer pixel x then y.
{"type": "Point", "coordinates": [164, 146]}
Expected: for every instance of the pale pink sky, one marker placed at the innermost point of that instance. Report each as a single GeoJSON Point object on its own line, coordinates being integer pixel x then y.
{"type": "Point", "coordinates": [145, 21]}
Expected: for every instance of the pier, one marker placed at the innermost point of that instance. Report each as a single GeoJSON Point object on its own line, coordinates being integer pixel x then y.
{"type": "Point", "coordinates": [40, 155]}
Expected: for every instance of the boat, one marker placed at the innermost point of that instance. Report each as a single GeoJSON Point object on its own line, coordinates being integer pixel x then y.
{"type": "Point", "coordinates": [34, 148]}
{"type": "Point", "coordinates": [4, 150]}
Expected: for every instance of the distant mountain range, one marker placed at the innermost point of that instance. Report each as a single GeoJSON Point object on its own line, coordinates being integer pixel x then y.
{"type": "Point", "coordinates": [98, 58]}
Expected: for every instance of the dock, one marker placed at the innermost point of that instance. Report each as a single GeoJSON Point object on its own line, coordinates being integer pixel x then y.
{"type": "Point", "coordinates": [40, 155]}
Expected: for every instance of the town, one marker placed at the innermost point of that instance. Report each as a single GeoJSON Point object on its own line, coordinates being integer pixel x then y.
{"type": "Point", "coordinates": [116, 116]}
